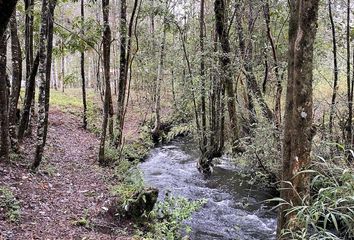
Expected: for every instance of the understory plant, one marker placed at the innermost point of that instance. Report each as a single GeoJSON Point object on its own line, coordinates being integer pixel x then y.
{"type": "Point", "coordinates": [329, 212]}
{"type": "Point", "coordinates": [167, 220]}
{"type": "Point", "coordinates": [9, 206]}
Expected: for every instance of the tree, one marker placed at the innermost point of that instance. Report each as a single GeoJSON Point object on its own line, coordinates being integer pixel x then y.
{"type": "Point", "coordinates": [125, 52]}
{"type": "Point", "coordinates": [157, 125]}
{"type": "Point", "coordinates": [225, 61]}
{"type": "Point", "coordinates": [4, 117]}
{"type": "Point", "coordinates": [6, 10]}
{"type": "Point", "coordinates": [335, 71]}
{"type": "Point", "coordinates": [298, 130]}
{"type": "Point", "coordinates": [82, 68]}
{"type": "Point", "coordinates": [16, 81]}
{"type": "Point", "coordinates": [31, 70]}
{"type": "Point", "coordinates": [106, 66]}
{"type": "Point", "coordinates": [45, 57]}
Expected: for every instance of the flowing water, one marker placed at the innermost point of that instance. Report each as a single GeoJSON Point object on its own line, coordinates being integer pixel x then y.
{"type": "Point", "coordinates": [235, 210]}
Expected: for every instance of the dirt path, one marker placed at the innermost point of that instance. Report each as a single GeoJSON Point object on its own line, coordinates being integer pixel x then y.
{"type": "Point", "coordinates": [69, 187]}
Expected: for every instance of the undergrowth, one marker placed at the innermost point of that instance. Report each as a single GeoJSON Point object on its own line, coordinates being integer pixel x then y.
{"type": "Point", "coordinates": [329, 212]}
{"type": "Point", "coordinates": [9, 206]}
{"type": "Point", "coordinates": [167, 220]}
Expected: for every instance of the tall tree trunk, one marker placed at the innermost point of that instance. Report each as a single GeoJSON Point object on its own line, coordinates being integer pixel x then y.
{"type": "Point", "coordinates": [4, 117]}
{"type": "Point", "coordinates": [45, 57]}
{"type": "Point", "coordinates": [106, 66]}
{"type": "Point", "coordinates": [125, 50]}
{"type": "Point", "coordinates": [348, 127]}
{"type": "Point", "coordinates": [335, 71]}
{"type": "Point", "coordinates": [157, 126]}
{"type": "Point", "coordinates": [16, 81]}
{"type": "Point", "coordinates": [221, 28]}
{"type": "Point", "coordinates": [82, 66]}
{"type": "Point", "coordinates": [298, 130]}
{"type": "Point", "coordinates": [29, 27]}
{"type": "Point", "coordinates": [204, 141]}
{"type": "Point", "coordinates": [122, 83]}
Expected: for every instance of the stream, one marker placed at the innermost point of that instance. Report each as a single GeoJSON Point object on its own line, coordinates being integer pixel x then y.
{"type": "Point", "coordinates": [235, 209]}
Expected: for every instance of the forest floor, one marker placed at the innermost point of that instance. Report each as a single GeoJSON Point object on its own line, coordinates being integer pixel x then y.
{"type": "Point", "coordinates": [69, 196]}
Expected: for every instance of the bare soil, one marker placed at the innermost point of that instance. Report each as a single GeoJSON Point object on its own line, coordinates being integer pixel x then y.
{"type": "Point", "coordinates": [69, 187]}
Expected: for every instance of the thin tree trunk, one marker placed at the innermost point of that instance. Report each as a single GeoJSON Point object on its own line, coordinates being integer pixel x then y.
{"type": "Point", "coordinates": [279, 88]}
{"type": "Point", "coordinates": [349, 136]}
{"type": "Point", "coordinates": [298, 130]}
{"type": "Point", "coordinates": [156, 130]}
{"type": "Point", "coordinates": [204, 141]}
{"type": "Point", "coordinates": [45, 57]}
{"type": "Point", "coordinates": [125, 51]}
{"type": "Point", "coordinates": [221, 27]}
{"type": "Point", "coordinates": [106, 66]}
{"type": "Point", "coordinates": [335, 71]}
{"type": "Point", "coordinates": [82, 66]}
{"type": "Point", "coordinates": [4, 117]}
{"type": "Point", "coordinates": [122, 83]}
{"type": "Point", "coordinates": [29, 96]}
{"type": "Point", "coordinates": [62, 66]}
{"type": "Point", "coordinates": [16, 81]}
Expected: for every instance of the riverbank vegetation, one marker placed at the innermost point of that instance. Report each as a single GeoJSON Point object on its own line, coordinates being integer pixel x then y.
{"type": "Point", "coordinates": [88, 88]}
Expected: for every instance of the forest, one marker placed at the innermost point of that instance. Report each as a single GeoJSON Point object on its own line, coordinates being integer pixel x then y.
{"type": "Point", "coordinates": [177, 119]}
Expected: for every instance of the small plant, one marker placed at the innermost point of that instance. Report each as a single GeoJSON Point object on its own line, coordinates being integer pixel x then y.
{"type": "Point", "coordinates": [166, 221]}
{"type": "Point", "coordinates": [9, 205]}
{"type": "Point", "coordinates": [83, 221]}
{"type": "Point", "coordinates": [130, 181]}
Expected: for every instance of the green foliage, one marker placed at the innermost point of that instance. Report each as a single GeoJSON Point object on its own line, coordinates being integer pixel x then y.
{"type": "Point", "coordinates": [9, 205]}
{"type": "Point", "coordinates": [82, 221]}
{"type": "Point", "coordinates": [329, 213]}
{"type": "Point", "coordinates": [130, 181]}
{"type": "Point", "coordinates": [262, 151]}
{"type": "Point", "coordinates": [166, 221]}
{"type": "Point", "coordinates": [179, 130]}
{"type": "Point", "coordinates": [140, 149]}
{"type": "Point", "coordinates": [72, 40]}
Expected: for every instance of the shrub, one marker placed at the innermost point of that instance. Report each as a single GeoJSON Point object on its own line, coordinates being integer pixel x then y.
{"type": "Point", "coordinates": [9, 205]}
{"type": "Point", "coordinates": [166, 221]}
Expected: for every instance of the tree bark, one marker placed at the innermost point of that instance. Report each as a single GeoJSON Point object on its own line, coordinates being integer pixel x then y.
{"type": "Point", "coordinates": [122, 83]}
{"type": "Point", "coordinates": [45, 57]}
{"type": "Point", "coordinates": [29, 96]}
{"type": "Point", "coordinates": [106, 66]}
{"type": "Point", "coordinates": [221, 28]}
{"type": "Point", "coordinates": [156, 130]}
{"type": "Point", "coordinates": [4, 117]}
{"type": "Point", "coordinates": [298, 130]}
{"type": "Point", "coordinates": [16, 81]}
{"type": "Point", "coordinates": [204, 142]}
{"type": "Point", "coordinates": [82, 68]}
{"type": "Point", "coordinates": [335, 71]}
